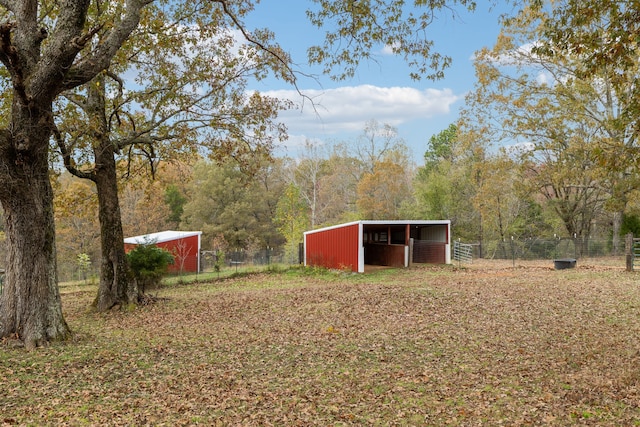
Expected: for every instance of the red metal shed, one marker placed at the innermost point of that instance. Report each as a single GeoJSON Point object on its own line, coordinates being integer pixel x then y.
{"type": "Point", "coordinates": [183, 245]}
{"type": "Point", "coordinates": [392, 243]}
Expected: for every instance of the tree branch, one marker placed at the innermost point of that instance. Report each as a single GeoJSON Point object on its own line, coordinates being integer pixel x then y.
{"type": "Point", "coordinates": [100, 58]}
{"type": "Point", "coordinates": [46, 69]}
{"type": "Point", "coordinates": [69, 164]}
{"type": "Point", "coordinates": [289, 74]}
{"type": "Point", "coordinates": [9, 57]}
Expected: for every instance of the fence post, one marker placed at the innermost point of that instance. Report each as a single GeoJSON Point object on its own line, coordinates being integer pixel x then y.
{"type": "Point", "coordinates": [628, 250]}
{"type": "Point", "coordinates": [410, 252]}
{"type": "Point", "coordinates": [513, 253]}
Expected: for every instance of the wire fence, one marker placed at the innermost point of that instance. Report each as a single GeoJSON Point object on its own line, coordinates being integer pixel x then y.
{"type": "Point", "coordinates": [210, 259]}
{"type": "Point", "coordinates": [539, 249]}
{"type": "Point", "coordinates": [464, 252]}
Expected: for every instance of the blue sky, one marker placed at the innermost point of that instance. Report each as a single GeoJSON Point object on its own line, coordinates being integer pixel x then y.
{"type": "Point", "coordinates": [380, 91]}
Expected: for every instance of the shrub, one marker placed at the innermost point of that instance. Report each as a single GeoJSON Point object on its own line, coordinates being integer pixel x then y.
{"type": "Point", "coordinates": [148, 263]}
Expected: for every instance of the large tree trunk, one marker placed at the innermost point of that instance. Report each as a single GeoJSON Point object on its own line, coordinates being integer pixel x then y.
{"type": "Point", "coordinates": [30, 303]}
{"type": "Point", "coordinates": [617, 225]}
{"type": "Point", "coordinates": [30, 306]}
{"type": "Point", "coordinates": [115, 287]}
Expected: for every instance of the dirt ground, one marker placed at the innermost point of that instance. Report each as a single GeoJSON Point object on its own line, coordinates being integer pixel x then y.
{"type": "Point", "coordinates": [483, 344]}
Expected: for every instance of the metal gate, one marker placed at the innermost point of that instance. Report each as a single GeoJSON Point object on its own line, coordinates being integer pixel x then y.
{"type": "Point", "coordinates": [635, 250]}
{"type": "Point", "coordinates": [462, 252]}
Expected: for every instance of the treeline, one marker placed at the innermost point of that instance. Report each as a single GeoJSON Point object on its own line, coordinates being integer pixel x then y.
{"type": "Point", "coordinates": [259, 203]}
{"type": "Point", "coordinates": [268, 203]}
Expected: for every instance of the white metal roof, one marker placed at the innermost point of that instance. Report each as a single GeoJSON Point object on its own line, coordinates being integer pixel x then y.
{"type": "Point", "coordinates": [161, 236]}
{"type": "Point", "coordinates": [383, 222]}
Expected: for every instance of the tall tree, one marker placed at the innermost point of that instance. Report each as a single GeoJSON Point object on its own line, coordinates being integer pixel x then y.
{"type": "Point", "coordinates": [567, 175]}
{"type": "Point", "coordinates": [306, 173]}
{"type": "Point", "coordinates": [567, 119]}
{"type": "Point", "coordinates": [42, 62]}
{"type": "Point", "coordinates": [602, 37]}
{"type": "Point", "coordinates": [505, 205]}
{"type": "Point", "coordinates": [224, 200]}
{"type": "Point", "coordinates": [176, 201]}
{"type": "Point", "coordinates": [375, 142]}
{"type": "Point", "coordinates": [192, 98]}
{"type": "Point", "coordinates": [142, 205]}
{"type": "Point", "coordinates": [440, 147]}
{"type": "Point", "coordinates": [337, 188]}
{"type": "Point", "coordinates": [445, 186]}
{"type": "Point", "coordinates": [382, 192]}
{"type": "Point", "coordinates": [291, 218]}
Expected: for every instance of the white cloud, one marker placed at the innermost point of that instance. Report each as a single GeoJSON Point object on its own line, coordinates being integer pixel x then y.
{"type": "Point", "coordinates": [348, 108]}
{"type": "Point", "coordinates": [388, 49]}
{"type": "Point", "coordinates": [544, 78]}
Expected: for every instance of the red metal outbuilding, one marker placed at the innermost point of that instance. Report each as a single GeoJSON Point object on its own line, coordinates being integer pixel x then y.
{"type": "Point", "coordinates": [392, 243]}
{"type": "Point", "coordinates": [183, 245]}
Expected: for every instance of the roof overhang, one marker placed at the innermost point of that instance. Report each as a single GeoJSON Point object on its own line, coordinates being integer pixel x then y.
{"type": "Point", "coordinates": [160, 237]}
{"type": "Point", "coordinates": [384, 223]}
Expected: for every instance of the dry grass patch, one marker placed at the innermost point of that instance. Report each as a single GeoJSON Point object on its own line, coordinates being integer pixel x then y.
{"type": "Point", "coordinates": [482, 345]}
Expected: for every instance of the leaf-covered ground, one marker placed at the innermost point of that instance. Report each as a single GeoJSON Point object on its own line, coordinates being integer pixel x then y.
{"type": "Point", "coordinates": [491, 344]}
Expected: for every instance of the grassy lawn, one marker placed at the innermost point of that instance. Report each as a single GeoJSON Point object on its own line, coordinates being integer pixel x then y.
{"type": "Point", "coordinates": [490, 344]}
